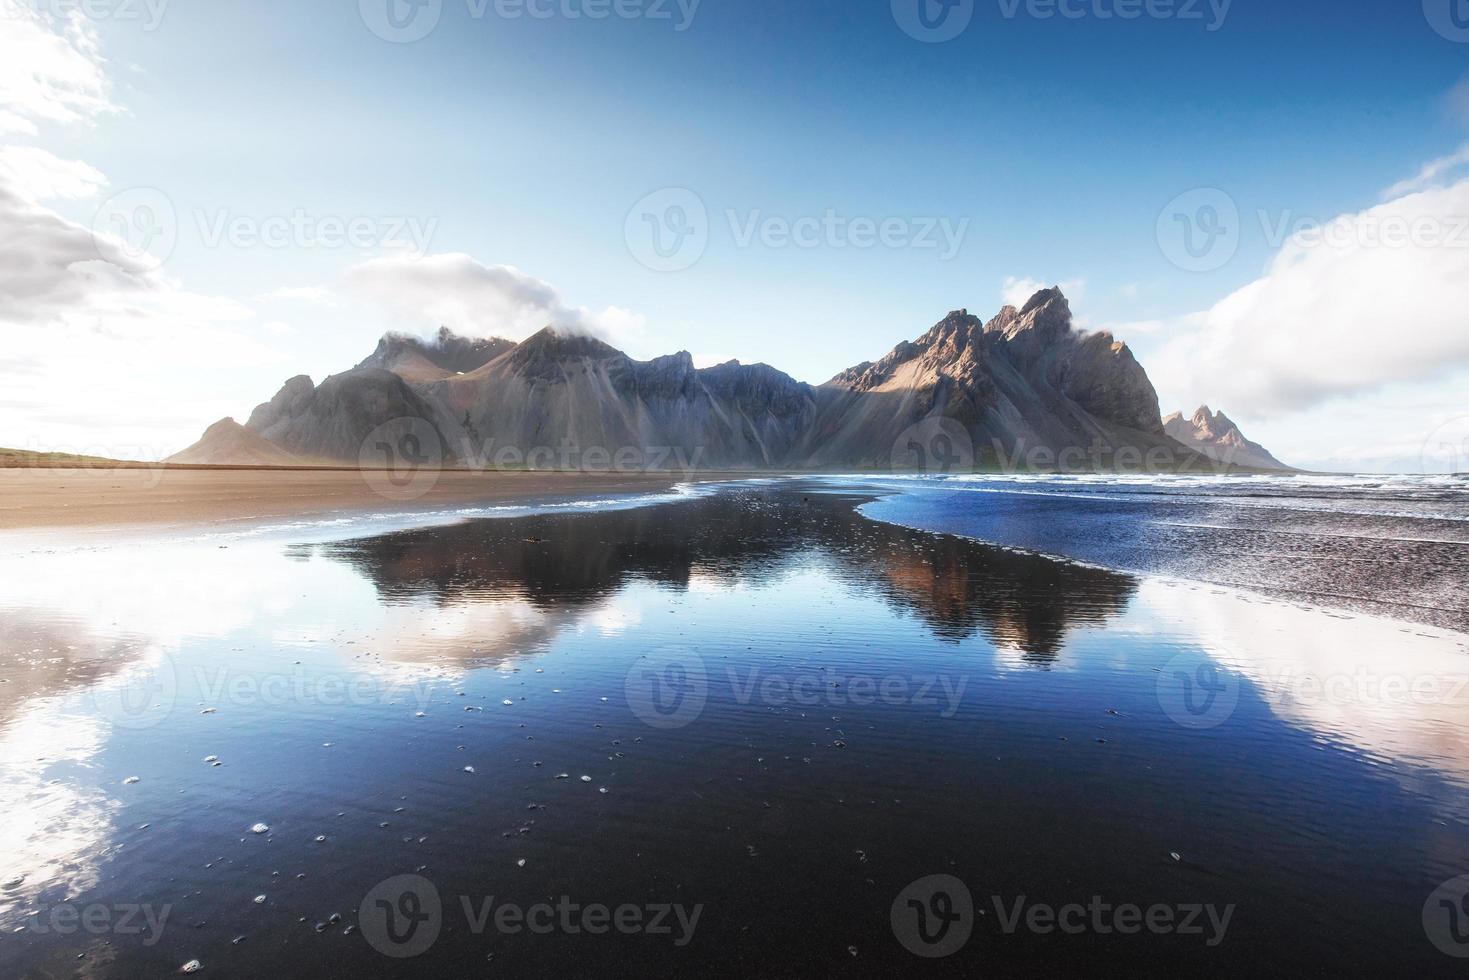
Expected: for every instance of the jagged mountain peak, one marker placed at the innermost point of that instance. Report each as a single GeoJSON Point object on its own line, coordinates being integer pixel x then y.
{"type": "Point", "coordinates": [1217, 436]}
{"type": "Point", "coordinates": [560, 342]}
{"type": "Point", "coordinates": [445, 353]}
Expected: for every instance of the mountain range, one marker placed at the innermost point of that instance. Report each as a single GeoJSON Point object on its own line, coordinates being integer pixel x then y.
{"type": "Point", "coordinates": [1024, 390]}
{"type": "Point", "coordinates": [1215, 435]}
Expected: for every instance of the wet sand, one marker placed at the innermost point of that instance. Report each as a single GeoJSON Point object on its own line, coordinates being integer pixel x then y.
{"type": "Point", "coordinates": [754, 705]}
{"type": "Point", "coordinates": [75, 498]}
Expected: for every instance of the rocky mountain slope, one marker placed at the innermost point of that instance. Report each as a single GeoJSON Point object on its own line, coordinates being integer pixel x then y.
{"type": "Point", "coordinates": [1025, 390]}
{"type": "Point", "coordinates": [227, 442]}
{"type": "Point", "coordinates": [1026, 386]}
{"type": "Point", "coordinates": [1215, 435]}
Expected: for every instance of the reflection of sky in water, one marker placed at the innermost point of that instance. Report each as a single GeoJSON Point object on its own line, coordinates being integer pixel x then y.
{"type": "Point", "coordinates": [277, 652]}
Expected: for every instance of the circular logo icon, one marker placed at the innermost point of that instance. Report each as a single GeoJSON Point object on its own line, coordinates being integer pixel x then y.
{"type": "Point", "coordinates": [401, 917]}
{"type": "Point", "coordinates": [1446, 917]}
{"type": "Point", "coordinates": [401, 459]}
{"type": "Point", "coordinates": [933, 21]}
{"type": "Point", "coordinates": [1449, 17]}
{"type": "Point", "coordinates": [934, 916]}
{"type": "Point", "coordinates": [935, 445]}
{"type": "Point", "coordinates": [667, 688]}
{"type": "Point", "coordinates": [1199, 230]}
{"type": "Point", "coordinates": [138, 224]}
{"type": "Point", "coordinates": [142, 696]}
{"type": "Point", "coordinates": [1196, 692]}
{"type": "Point", "coordinates": [1446, 450]}
{"type": "Point", "coordinates": [668, 230]}
{"type": "Point", "coordinates": [401, 21]}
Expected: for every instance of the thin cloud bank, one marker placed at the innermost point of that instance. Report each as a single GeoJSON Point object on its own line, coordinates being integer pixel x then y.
{"type": "Point", "coordinates": [1373, 298]}
{"type": "Point", "coordinates": [474, 299]}
{"type": "Point", "coordinates": [51, 70]}
{"type": "Point", "coordinates": [1431, 172]}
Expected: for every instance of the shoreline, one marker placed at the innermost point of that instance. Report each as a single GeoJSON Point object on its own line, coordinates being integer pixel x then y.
{"type": "Point", "coordinates": [81, 499]}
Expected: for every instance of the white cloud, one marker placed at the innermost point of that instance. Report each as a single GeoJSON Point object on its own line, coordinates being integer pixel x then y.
{"type": "Point", "coordinates": [469, 297]}
{"type": "Point", "coordinates": [1016, 290]}
{"type": "Point", "coordinates": [42, 176]}
{"type": "Point", "coordinates": [104, 352]}
{"type": "Point", "coordinates": [1432, 171]}
{"type": "Point", "coordinates": [50, 70]}
{"type": "Point", "coordinates": [1371, 299]}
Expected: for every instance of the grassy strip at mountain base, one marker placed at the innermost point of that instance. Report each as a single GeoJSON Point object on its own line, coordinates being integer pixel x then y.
{"type": "Point", "coordinates": [26, 457]}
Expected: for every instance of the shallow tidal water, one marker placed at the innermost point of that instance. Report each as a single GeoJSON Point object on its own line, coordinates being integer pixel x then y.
{"type": "Point", "coordinates": [764, 730]}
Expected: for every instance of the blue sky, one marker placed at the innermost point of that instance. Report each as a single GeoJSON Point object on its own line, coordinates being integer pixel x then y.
{"type": "Point", "coordinates": [1053, 143]}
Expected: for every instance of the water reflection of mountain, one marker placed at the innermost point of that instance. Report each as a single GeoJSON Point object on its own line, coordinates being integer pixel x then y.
{"type": "Point", "coordinates": [563, 562]}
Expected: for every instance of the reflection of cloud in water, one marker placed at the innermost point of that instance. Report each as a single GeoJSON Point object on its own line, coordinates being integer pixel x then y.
{"type": "Point", "coordinates": [1348, 679]}
{"type": "Point", "coordinates": [52, 846]}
